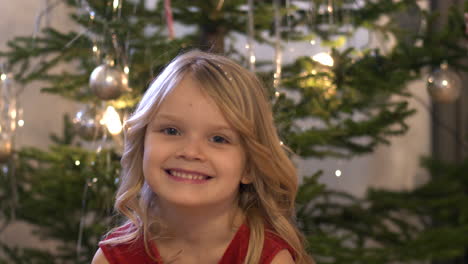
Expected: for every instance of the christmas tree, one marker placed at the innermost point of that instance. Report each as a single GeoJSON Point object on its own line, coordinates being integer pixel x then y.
{"type": "Point", "coordinates": [349, 94]}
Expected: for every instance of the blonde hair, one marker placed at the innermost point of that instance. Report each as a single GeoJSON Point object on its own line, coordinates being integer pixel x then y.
{"type": "Point", "coordinates": [267, 201]}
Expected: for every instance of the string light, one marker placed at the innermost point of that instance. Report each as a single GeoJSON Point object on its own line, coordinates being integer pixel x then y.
{"type": "Point", "coordinates": [3, 76]}
{"type": "Point", "coordinates": [77, 162]}
{"type": "Point", "coordinates": [252, 59]}
{"type": "Point", "coordinates": [338, 173]}
{"type": "Point", "coordinates": [21, 123]}
{"type": "Point", "coordinates": [116, 4]}
{"type": "Point", "coordinates": [13, 114]}
{"type": "Point", "coordinates": [126, 69]}
{"type": "Point", "coordinates": [112, 120]}
{"type": "Point", "coordinates": [323, 58]}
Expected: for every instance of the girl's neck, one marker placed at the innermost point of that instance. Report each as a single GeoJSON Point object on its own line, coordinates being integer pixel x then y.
{"type": "Point", "coordinates": [200, 225]}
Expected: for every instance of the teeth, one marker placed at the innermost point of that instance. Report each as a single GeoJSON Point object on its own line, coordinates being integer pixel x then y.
{"type": "Point", "coordinates": [187, 176]}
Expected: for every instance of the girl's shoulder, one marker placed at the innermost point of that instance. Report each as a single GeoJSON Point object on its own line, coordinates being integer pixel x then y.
{"type": "Point", "coordinates": [119, 247]}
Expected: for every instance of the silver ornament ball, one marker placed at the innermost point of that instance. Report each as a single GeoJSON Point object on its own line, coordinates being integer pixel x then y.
{"type": "Point", "coordinates": [444, 85]}
{"type": "Point", "coordinates": [86, 124]}
{"type": "Point", "coordinates": [108, 82]}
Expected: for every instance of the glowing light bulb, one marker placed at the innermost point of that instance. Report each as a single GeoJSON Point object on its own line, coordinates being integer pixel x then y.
{"type": "Point", "coordinates": [116, 4]}
{"type": "Point", "coordinates": [112, 120]}
{"type": "Point", "coordinates": [312, 42]}
{"type": "Point", "coordinates": [252, 59]}
{"type": "Point", "coordinates": [338, 173]}
{"type": "Point", "coordinates": [20, 123]}
{"type": "Point", "coordinates": [323, 58]}
{"type": "Point", "coordinates": [3, 76]}
{"type": "Point", "coordinates": [126, 69]}
{"type": "Point", "coordinates": [444, 82]}
{"type": "Point", "coordinates": [77, 162]}
{"type": "Point", "coordinates": [95, 48]}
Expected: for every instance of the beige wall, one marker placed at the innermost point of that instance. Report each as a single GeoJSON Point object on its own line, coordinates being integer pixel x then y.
{"type": "Point", "coordinates": [42, 112]}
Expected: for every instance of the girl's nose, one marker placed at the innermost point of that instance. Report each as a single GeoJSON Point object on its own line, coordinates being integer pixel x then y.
{"type": "Point", "coordinates": [191, 149]}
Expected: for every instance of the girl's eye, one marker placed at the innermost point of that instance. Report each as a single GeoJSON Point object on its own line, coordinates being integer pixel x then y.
{"type": "Point", "coordinates": [219, 139]}
{"type": "Point", "coordinates": [170, 131]}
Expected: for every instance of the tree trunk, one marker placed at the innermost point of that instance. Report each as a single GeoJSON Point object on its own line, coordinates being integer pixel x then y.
{"type": "Point", "coordinates": [212, 38]}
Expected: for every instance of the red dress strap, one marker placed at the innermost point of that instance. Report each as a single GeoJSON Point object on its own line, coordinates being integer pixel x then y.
{"type": "Point", "coordinates": [272, 246]}
{"type": "Point", "coordinates": [237, 249]}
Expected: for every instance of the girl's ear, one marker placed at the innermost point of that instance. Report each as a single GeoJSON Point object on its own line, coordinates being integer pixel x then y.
{"type": "Point", "coordinates": [246, 179]}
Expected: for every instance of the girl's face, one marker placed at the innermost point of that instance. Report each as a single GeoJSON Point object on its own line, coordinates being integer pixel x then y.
{"type": "Point", "coordinates": [192, 156]}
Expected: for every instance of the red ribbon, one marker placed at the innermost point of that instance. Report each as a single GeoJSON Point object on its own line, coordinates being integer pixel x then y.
{"type": "Point", "coordinates": [169, 19]}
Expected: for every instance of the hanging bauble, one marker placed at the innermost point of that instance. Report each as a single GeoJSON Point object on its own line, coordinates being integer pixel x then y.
{"type": "Point", "coordinates": [444, 85]}
{"type": "Point", "coordinates": [5, 149]}
{"type": "Point", "coordinates": [8, 115]}
{"type": "Point", "coordinates": [86, 123]}
{"type": "Point", "coordinates": [108, 82]}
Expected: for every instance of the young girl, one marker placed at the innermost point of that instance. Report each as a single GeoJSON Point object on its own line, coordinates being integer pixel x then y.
{"type": "Point", "coordinates": [205, 178]}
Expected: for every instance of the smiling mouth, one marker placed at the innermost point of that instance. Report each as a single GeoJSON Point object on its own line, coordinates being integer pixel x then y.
{"type": "Point", "coordinates": [187, 177]}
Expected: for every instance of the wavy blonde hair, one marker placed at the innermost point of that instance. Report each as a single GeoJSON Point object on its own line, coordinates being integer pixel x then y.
{"type": "Point", "coordinates": [267, 201]}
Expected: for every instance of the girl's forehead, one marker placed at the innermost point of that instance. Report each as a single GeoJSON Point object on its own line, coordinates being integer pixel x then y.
{"type": "Point", "coordinates": [189, 100]}
{"type": "Point", "coordinates": [188, 92]}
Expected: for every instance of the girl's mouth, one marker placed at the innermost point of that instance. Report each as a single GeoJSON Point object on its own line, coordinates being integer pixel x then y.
{"type": "Point", "coordinates": [187, 177]}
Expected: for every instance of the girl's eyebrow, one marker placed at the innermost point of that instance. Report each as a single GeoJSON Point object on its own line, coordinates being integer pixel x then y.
{"type": "Point", "coordinates": [213, 126]}
{"type": "Point", "coordinates": [166, 116]}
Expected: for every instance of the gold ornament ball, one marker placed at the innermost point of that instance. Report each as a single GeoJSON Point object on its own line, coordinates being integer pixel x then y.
{"type": "Point", "coordinates": [108, 82]}
{"type": "Point", "coordinates": [444, 85]}
{"type": "Point", "coordinates": [5, 150]}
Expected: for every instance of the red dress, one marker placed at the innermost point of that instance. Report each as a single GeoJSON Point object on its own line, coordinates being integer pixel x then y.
{"type": "Point", "coordinates": [234, 254]}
